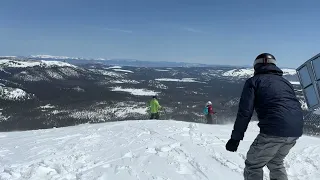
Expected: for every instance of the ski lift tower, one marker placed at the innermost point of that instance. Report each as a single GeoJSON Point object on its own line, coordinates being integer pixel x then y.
{"type": "Point", "coordinates": [309, 77]}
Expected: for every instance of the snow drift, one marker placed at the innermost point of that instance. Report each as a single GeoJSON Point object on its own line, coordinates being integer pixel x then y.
{"type": "Point", "coordinates": [130, 150]}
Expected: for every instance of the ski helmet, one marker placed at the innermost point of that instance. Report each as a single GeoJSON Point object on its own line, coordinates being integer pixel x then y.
{"type": "Point", "coordinates": [265, 58]}
{"type": "Point", "coordinates": [209, 103]}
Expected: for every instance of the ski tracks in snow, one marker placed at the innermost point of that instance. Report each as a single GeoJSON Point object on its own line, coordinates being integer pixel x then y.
{"type": "Point", "coordinates": [139, 150]}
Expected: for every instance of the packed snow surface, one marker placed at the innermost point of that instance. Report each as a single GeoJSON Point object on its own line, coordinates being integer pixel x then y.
{"type": "Point", "coordinates": [136, 92]}
{"type": "Point", "coordinates": [140, 150]}
{"type": "Point", "coordinates": [31, 63]}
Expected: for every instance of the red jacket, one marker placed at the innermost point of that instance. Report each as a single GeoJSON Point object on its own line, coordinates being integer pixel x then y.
{"type": "Point", "coordinates": [210, 110]}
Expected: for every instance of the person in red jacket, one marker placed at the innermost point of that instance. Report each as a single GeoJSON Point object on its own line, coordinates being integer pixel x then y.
{"type": "Point", "coordinates": [209, 112]}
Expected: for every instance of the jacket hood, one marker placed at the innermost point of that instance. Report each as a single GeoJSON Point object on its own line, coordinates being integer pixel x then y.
{"type": "Point", "coordinates": [267, 69]}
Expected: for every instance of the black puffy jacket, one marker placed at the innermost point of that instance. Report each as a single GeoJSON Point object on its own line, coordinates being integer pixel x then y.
{"type": "Point", "coordinates": [273, 97]}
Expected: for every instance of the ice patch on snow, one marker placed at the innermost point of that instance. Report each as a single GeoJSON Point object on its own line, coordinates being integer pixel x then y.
{"type": "Point", "coordinates": [136, 92]}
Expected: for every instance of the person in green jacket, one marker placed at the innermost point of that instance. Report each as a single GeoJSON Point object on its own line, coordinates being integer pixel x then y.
{"type": "Point", "coordinates": [154, 108]}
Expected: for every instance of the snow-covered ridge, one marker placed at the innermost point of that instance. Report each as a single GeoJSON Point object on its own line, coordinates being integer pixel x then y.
{"type": "Point", "coordinates": [32, 63]}
{"type": "Point", "coordinates": [249, 72]}
{"type": "Point", "coordinates": [131, 150]}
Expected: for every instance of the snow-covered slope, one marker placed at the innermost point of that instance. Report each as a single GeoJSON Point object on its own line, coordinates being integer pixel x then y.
{"type": "Point", "coordinates": [31, 63]}
{"type": "Point", "coordinates": [140, 150]}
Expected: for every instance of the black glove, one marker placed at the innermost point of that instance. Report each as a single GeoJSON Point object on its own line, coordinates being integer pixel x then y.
{"type": "Point", "coordinates": [232, 145]}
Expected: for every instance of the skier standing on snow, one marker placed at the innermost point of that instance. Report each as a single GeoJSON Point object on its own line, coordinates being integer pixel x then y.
{"type": "Point", "coordinates": [154, 108]}
{"type": "Point", "coordinates": [280, 120]}
{"type": "Point", "coordinates": [208, 111]}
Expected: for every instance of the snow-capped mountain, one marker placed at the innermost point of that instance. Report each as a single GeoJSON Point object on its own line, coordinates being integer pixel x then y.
{"type": "Point", "coordinates": [143, 150]}
{"type": "Point", "coordinates": [120, 62]}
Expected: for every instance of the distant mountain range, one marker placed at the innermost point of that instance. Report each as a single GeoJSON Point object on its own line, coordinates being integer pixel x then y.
{"type": "Point", "coordinates": [43, 93]}
{"type": "Point", "coordinates": [119, 62]}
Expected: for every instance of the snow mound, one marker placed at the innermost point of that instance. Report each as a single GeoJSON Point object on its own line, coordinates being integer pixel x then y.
{"type": "Point", "coordinates": [142, 150]}
{"type": "Point", "coordinates": [191, 80]}
{"type": "Point", "coordinates": [136, 92]}
{"type": "Point", "coordinates": [249, 72]}
{"type": "Point", "coordinates": [14, 94]}
{"type": "Point", "coordinates": [32, 63]}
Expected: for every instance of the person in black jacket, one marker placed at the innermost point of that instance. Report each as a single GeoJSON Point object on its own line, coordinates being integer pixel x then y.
{"type": "Point", "coordinates": [280, 120]}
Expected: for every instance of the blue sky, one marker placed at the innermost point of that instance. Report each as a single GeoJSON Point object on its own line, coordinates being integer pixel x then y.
{"type": "Point", "coordinates": [230, 32]}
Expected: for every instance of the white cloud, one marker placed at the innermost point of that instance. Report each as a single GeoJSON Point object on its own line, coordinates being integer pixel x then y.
{"type": "Point", "coordinates": [118, 30]}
